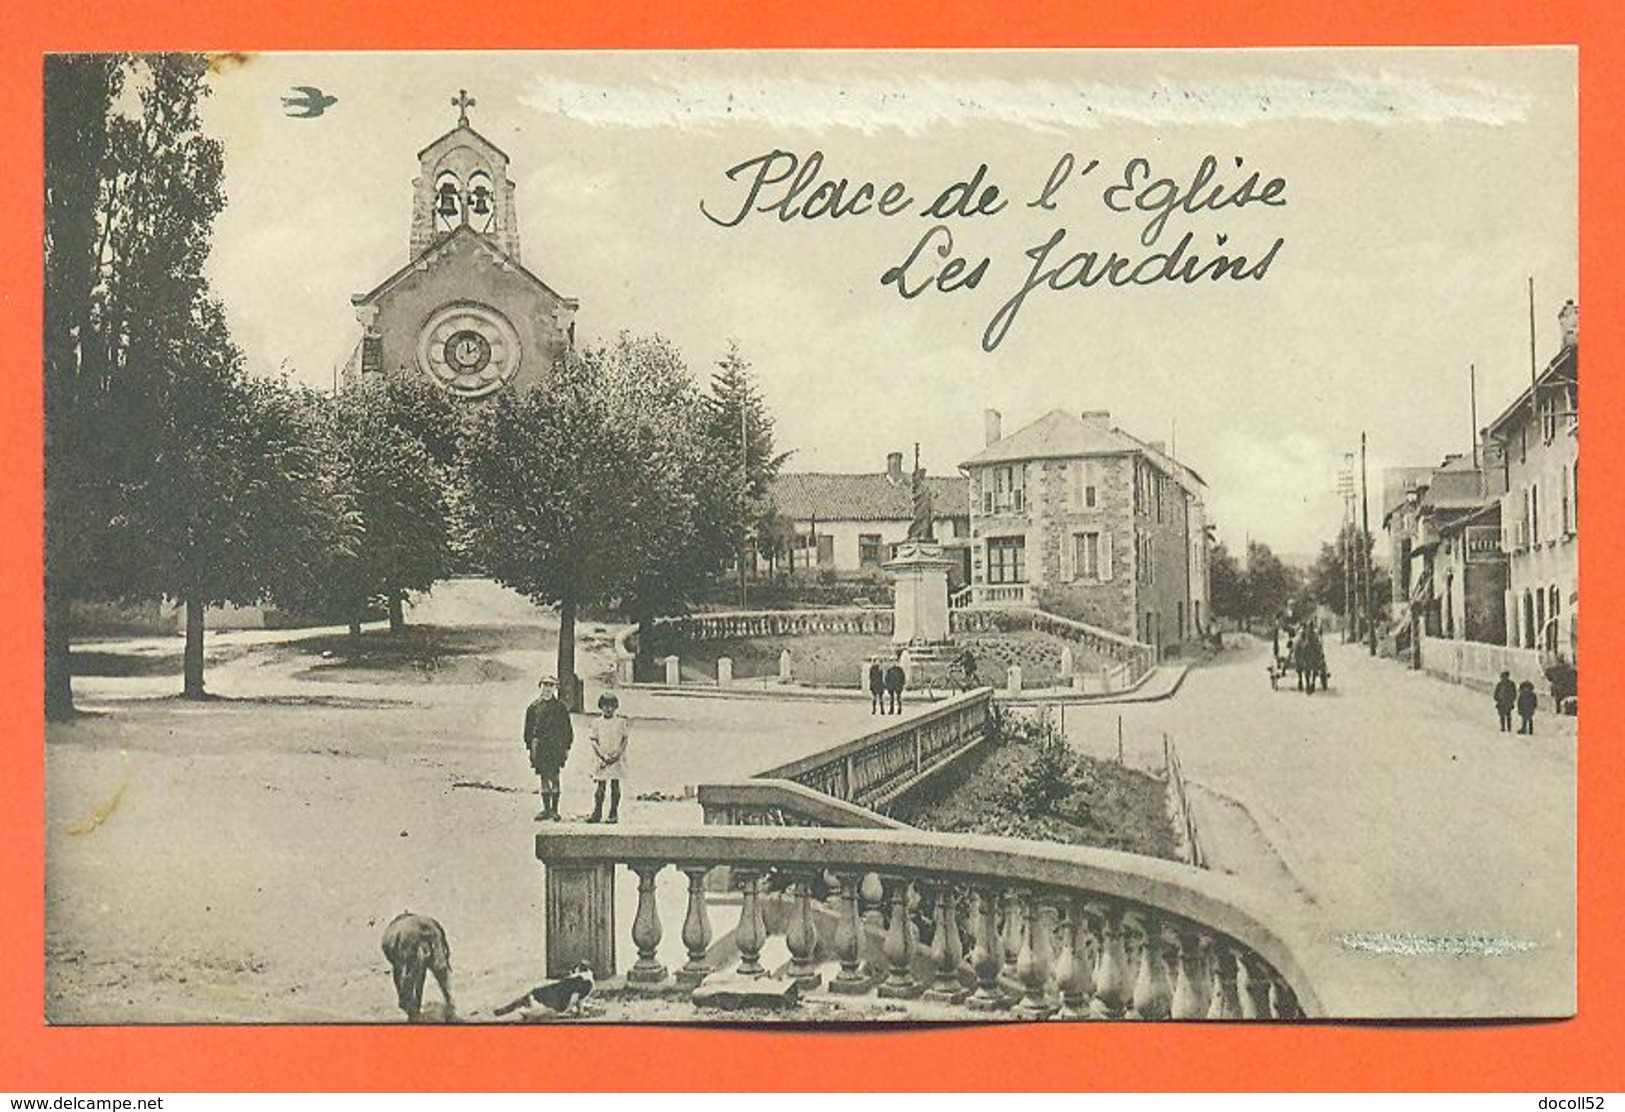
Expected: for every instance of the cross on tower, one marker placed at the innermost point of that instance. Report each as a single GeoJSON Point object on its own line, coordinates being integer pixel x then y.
{"type": "Point", "coordinates": [463, 102]}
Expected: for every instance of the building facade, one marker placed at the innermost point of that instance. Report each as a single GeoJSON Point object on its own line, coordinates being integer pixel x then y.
{"type": "Point", "coordinates": [463, 311]}
{"type": "Point", "coordinates": [852, 523]}
{"type": "Point", "coordinates": [1079, 517]}
{"type": "Point", "coordinates": [1536, 450]}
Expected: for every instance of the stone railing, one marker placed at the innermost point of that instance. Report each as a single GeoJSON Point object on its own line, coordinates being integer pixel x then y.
{"type": "Point", "coordinates": [768, 802]}
{"type": "Point", "coordinates": [866, 621]}
{"type": "Point", "coordinates": [962, 598]}
{"type": "Point", "coordinates": [877, 769]}
{"type": "Point", "coordinates": [1001, 594]}
{"type": "Point", "coordinates": [996, 925]}
{"type": "Point", "coordinates": [1134, 658]}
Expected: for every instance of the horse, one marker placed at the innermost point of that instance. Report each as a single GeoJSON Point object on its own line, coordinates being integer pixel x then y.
{"type": "Point", "coordinates": [1309, 659]}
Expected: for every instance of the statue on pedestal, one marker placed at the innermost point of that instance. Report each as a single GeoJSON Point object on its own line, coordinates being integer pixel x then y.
{"type": "Point", "coordinates": [920, 529]}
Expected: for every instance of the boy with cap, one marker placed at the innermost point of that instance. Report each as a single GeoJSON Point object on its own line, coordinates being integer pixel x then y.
{"type": "Point", "coordinates": [548, 736]}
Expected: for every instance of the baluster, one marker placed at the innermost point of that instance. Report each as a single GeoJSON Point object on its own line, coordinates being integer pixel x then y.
{"type": "Point", "coordinates": [751, 934]}
{"type": "Point", "coordinates": [848, 938]}
{"type": "Point", "coordinates": [947, 952]}
{"type": "Point", "coordinates": [696, 927]}
{"type": "Point", "coordinates": [647, 970]}
{"type": "Point", "coordinates": [1153, 995]}
{"type": "Point", "coordinates": [987, 956]}
{"type": "Point", "coordinates": [1073, 976]}
{"type": "Point", "coordinates": [899, 949]}
{"type": "Point", "coordinates": [1226, 1004]}
{"type": "Point", "coordinates": [1112, 988]}
{"type": "Point", "coordinates": [1014, 931]}
{"type": "Point", "coordinates": [1036, 962]}
{"type": "Point", "coordinates": [801, 936]}
{"type": "Point", "coordinates": [1189, 1001]}
{"type": "Point", "coordinates": [1255, 1002]}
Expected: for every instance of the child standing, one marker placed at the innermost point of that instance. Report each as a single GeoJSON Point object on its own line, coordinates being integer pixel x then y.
{"type": "Point", "coordinates": [1506, 696]}
{"type": "Point", "coordinates": [1526, 707]}
{"type": "Point", "coordinates": [610, 737]}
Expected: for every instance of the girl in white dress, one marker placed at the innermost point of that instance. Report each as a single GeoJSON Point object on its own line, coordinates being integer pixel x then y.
{"type": "Point", "coordinates": [610, 736]}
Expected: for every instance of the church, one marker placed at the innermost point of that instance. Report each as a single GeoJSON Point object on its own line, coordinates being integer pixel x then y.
{"type": "Point", "coordinates": [463, 312]}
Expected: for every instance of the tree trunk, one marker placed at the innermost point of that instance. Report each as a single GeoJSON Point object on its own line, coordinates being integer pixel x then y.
{"type": "Point", "coordinates": [58, 664]}
{"type": "Point", "coordinates": [569, 689]}
{"type": "Point", "coordinates": [355, 632]}
{"type": "Point", "coordinates": [192, 668]}
{"type": "Point", "coordinates": [397, 611]}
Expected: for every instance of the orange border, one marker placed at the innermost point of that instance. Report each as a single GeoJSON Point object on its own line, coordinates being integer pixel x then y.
{"type": "Point", "coordinates": [1574, 1056]}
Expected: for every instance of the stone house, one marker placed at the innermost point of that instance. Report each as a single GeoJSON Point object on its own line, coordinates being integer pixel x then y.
{"type": "Point", "coordinates": [852, 523]}
{"type": "Point", "coordinates": [1536, 450]}
{"type": "Point", "coordinates": [1081, 518]}
{"type": "Point", "coordinates": [1450, 574]}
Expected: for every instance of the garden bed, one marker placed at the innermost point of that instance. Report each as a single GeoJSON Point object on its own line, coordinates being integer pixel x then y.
{"type": "Point", "coordinates": [1030, 784]}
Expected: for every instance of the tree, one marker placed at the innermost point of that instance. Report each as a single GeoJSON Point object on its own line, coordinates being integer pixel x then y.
{"type": "Point", "coordinates": [132, 189]}
{"type": "Point", "coordinates": [1328, 580]}
{"type": "Point", "coordinates": [78, 96]}
{"type": "Point", "coordinates": [1227, 584]}
{"type": "Point", "coordinates": [1271, 584]}
{"type": "Point", "coordinates": [740, 426]}
{"type": "Point", "coordinates": [600, 489]}
{"type": "Point", "coordinates": [397, 491]}
{"type": "Point", "coordinates": [240, 506]}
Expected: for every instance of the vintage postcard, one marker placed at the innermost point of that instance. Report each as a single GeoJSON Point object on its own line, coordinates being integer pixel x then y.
{"type": "Point", "coordinates": [799, 537]}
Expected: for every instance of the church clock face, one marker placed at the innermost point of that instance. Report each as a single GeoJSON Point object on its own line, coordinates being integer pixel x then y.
{"type": "Point", "coordinates": [470, 350]}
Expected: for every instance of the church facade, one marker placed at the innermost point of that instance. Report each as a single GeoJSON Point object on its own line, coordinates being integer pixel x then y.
{"type": "Point", "coordinates": [463, 311]}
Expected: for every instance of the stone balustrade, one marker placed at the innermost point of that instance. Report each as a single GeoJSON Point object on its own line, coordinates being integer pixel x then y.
{"type": "Point", "coordinates": [773, 802]}
{"type": "Point", "coordinates": [999, 926]}
{"type": "Point", "coordinates": [875, 770]}
{"type": "Point", "coordinates": [1133, 659]}
{"type": "Point", "coordinates": [865, 621]}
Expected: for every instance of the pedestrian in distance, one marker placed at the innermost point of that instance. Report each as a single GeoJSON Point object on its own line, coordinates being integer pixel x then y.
{"type": "Point", "coordinates": [1526, 707]}
{"type": "Point", "coordinates": [1506, 695]}
{"type": "Point", "coordinates": [548, 736]}
{"type": "Point", "coordinates": [896, 680]}
{"type": "Point", "coordinates": [610, 736]}
{"type": "Point", "coordinates": [877, 689]}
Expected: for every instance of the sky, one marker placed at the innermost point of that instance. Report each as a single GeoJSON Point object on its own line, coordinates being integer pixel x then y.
{"type": "Point", "coordinates": [1421, 190]}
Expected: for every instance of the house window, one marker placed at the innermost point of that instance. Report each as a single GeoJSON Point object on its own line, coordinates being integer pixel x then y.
{"type": "Point", "coordinates": [1086, 556]}
{"type": "Point", "coordinates": [1007, 491]}
{"type": "Point", "coordinates": [1534, 514]}
{"type": "Point", "coordinates": [1568, 521]}
{"type": "Point", "coordinates": [1083, 484]}
{"type": "Point", "coordinates": [1007, 559]}
{"type": "Point", "coordinates": [870, 549]}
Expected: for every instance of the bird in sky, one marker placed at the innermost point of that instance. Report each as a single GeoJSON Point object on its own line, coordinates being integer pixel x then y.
{"type": "Point", "coordinates": [310, 102]}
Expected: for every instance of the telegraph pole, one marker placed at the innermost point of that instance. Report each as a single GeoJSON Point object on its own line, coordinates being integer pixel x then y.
{"type": "Point", "coordinates": [1365, 546]}
{"type": "Point", "coordinates": [1345, 490]}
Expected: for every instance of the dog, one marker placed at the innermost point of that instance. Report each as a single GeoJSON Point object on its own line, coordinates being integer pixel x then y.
{"type": "Point", "coordinates": [415, 945]}
{"type": "Point", "coordinates": [560, 996]}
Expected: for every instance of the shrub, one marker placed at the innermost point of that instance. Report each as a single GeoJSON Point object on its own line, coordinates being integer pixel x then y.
{"type": "Point", "coordinates": [1039, 784]}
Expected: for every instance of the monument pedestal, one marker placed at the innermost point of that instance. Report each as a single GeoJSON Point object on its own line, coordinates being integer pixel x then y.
{"type": "Point", "coordinates": [920, 610]}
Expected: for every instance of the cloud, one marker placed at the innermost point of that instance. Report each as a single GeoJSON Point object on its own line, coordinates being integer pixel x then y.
{"type": "Point", "coordinates": [917, 104]}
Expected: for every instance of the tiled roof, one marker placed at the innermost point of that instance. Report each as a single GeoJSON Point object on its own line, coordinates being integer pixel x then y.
{"type": "Point", "coordinates": [1059, 434]}
{"type": "Point", "coordinates": [873, 497]}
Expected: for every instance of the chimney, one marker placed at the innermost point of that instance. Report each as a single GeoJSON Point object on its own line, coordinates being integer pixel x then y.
{"type": "Point", "coordinates": [992, 425]}
{"type": "Point", "coordinates": [1100, 419]}
{"type": "Point", "coordinates": [1568, 322]}
{"type": "Point", "coordinates": [894, 466]}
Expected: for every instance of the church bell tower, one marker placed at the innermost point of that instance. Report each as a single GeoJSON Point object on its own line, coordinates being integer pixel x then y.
{"type": "Point", "coordinates": [464, 311]}
{"type": "Point", "coordinates": [463, 181]}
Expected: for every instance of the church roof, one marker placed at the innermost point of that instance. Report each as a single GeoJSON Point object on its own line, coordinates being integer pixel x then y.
{"type": "Point", "coordinates": [803, 496]}
{"type": "Point", "coordinates": [464, 129]}
{"type": "Point", "coordinates": [442, 244]}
